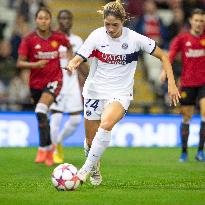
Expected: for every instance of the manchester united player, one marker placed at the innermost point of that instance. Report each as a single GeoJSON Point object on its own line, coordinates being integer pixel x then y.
{"type": "Point", "coordinates": [38, 52]}
{"type": "Point", "coordinates": [192, 47]}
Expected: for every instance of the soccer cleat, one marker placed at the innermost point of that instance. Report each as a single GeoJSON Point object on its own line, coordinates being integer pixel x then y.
{"type": "Point", "coordinates": [41, 156]}
{"type": "Point", "coordinates": [57, 158]}
{"type": "Point", "coordinates": [49, 158]}
{"type": "Point", "coordinates": [200, 156]}
{"type": "Point", "coordinates": [95, 175]}
{"type": "Point", "coordinates": [183, 157]}
{"type": "Point", "coordinates": [82, 175]}
{"type": "Point", "coordinates": [58, 155]}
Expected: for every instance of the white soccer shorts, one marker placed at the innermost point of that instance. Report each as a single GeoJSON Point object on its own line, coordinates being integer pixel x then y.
{"type": "Point", "coordinates": [68, 103]}
{"type": "Point", "coordinates": [93, 108]}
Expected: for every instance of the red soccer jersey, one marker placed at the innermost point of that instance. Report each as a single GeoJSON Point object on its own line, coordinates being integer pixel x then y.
{"type": "Point", "coordinates": [36, 48]}
{"type": "Point", "coordinates": [192, 50]}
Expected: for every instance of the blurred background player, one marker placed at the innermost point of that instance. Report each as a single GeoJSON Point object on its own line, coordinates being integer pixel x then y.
{"type": "Point", "coordinates": [108, 90]}
{"type": "Point", "coordinates": [192, 47]}
{"type": "Point", "coordinates": [151, 25]}
{"type": "Point", "coordinates": [38, 51]}
{"type": "Point", "coordinates": [70, 98]}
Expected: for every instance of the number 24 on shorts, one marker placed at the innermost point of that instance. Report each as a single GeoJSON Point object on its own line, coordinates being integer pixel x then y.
{"type": "Point", "coordinates": [92, 103]}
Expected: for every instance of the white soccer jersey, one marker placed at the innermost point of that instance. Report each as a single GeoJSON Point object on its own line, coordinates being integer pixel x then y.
{"type": "Point", "coordinates": [113, 62]}
{"type": "Point", "coordinates": [76, 43]}
{"type": "Point", "coordinates": [69, 99]}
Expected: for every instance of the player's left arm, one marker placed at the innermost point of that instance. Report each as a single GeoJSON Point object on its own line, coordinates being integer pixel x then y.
{"type": "Point", "coordinates": [174, 48]}
{"type": "Point", "coordinates": [84, 69]}
{"type": "Point", "coordinates": [83, 72]}
{"type": "Point", "coordinates": [166, 65]}
{"type": "Point", "coordinates": [70, 52]}
{"type": "Point", "coordinates": [67, 44]}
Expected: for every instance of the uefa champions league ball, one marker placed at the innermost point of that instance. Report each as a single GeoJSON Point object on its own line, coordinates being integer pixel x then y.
{"type": "Point", "coordinates": [64, 177]}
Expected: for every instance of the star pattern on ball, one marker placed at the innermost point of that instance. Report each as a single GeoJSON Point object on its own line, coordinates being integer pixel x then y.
{"type": "Point", "coordinates": [65, 167]}
{"type": "Point", "coordinates": [64, 177]}
{"type": "Point", "coordinates": [61, 181]}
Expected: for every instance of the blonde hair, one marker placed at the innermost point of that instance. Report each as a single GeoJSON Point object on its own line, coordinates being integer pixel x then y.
{"type": "Point", "coordinates": [114, 8]}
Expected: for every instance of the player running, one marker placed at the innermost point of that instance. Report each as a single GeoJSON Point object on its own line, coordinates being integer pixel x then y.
{"type": "Point", "coordinates": [192, 47]}
{"type": "Point", "coordinates": [114, 52]}
{"type": "Point", "coordinates": [70, 99]}
{"type": "Point", "coordinates": [38, 52]}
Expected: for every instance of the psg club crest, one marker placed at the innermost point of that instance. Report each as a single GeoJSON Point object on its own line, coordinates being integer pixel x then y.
{"type": "Point", "coordinates": [88, 113]}
{"type": "Point", "coordinates": [124, 45]}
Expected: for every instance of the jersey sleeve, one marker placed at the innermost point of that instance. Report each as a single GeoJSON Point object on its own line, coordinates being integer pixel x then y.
{"type": "Point", "coordinates": [88, 46]}
{"type": "Point", "coordinates": [146, 44]}
{"type": "Point", "coordinates": [175, 47]}
{"type": "Point", "coordinates": [79, 44]}
{"type": "Point", "coordinates": [23, 48]}
{"type": "Point", "coordinates": [65, 41]}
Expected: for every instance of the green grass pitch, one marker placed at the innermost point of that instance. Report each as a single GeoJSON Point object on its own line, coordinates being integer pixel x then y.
{"type": "Point", "coordinates": [130, 176]}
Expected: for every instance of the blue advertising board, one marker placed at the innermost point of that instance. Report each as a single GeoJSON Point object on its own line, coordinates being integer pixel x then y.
{"type": "Point", "coordinates": [20, 129]}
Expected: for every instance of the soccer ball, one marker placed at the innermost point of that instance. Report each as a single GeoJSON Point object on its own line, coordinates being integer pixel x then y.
{"type": "Point", "coordinates": [64, 177]}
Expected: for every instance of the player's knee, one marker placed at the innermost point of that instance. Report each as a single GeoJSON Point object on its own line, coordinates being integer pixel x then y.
{"type": "Point", "coordinates": [107, 125]}
{"type": "Point", "coordinates": [41, 112]}
{"type": "Point", "coordinates": [186, 118]}
{"type": "Point", "coordinates": [75, 120]}
{"type": "Point", "coordinates": [203, 113]}
{"type": "Point", "coordinates": [41, 108]}
{"type": "Point", "coordinates": [54, 130]}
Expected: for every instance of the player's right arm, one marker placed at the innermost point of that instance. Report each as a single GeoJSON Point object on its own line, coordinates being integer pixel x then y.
{"type": "Point", "coordinates": [23, 63]}
{"type": "Point", "coordinates": [83, 53]}
{"type": "Point", "coordinates": [74, 63]}
{"type": "Point", "coordinates": [23, 53]}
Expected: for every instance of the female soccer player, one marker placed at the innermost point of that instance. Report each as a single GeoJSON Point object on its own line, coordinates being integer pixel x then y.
{"type": "Point", "coordinates": [69, 99]}
{"type": "Point", "coordinates": [113, 51]}
{"type": "Point", "coordinates": [192, 47]}
{"type": "Point", "coordinates": [38, 51]}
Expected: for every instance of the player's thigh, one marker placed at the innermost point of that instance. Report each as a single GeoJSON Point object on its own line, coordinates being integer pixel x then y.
{"type": "Point", "coordinates": [58, 104]}
{"type": "Point", "coordinates": [202, 106]}
{"type": "Point", "coordinates": [93, 109]}
{"type": "Point", "coordinates": [113, 112]}
{"type": "Point", "coordinates": [188, 96]}
{"type": "Point", "coordinates": [187, 111]}
{"type": "Point", "coordinates": [46, 98]}
{"type": "Point", "coordinates": [35, 95]}
{"type": "Point", "coordinates": [73, 103]}
{"type": "Point", "coordinates": [201, 98]}
{"type": "Point", "coordinates": [51, 91]}
{"type": "Point", "coordinates": [91, 127]}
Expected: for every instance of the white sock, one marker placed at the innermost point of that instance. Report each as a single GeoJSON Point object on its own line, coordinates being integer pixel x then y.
{"type": "Point", "coordinates": [69, 127]}
{"type": "Point", "coordinates": [86, 148]}
{"type": "Point", "coordinates": [42, 108]}
{"type": "Point", "coordinates": [100, 143]}
{"type": "Point", "coordinates": [46, 148]}
{"type": "Point", "coordinates": [55, 122]}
